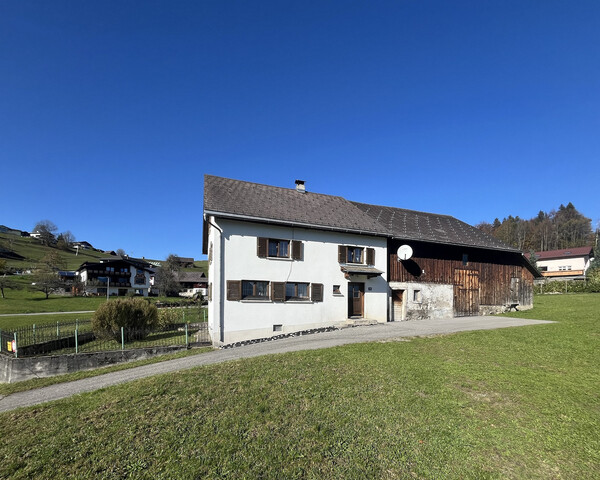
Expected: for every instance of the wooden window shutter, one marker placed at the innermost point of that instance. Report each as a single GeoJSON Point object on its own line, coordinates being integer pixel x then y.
{"type": "Point", "coordinates": [234, 290]}
{"type": "Point", "coordinates": [278, 291]}
{"type": "Point", "coordinates": [370, 256]}
{"type": "Point", "coordinates": [342, 253]}
{"type": "Point", "coordinates": [262, 245]}
{"type": "Point", "coordinates": [296, 250]}
{"type": "Point", "coordinates": [316, 292]}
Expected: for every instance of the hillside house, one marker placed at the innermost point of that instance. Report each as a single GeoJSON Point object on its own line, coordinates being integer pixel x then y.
{"type": "Point", "coordinates": [284, 260]}
{"type": "Point", "coordinates": [121, 276]}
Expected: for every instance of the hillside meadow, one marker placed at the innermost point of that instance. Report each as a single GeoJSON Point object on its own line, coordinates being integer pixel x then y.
{"type": "Point", "coordinates": [519, 403]}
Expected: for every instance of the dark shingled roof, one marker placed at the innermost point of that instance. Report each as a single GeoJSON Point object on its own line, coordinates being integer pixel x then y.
{"type": "Point", "coordinates": [226, 197]}
{"type": "Point", "coordinates": [563, 253]}
{"type": "Point", "coordinates": [430, 227]}
{"type": "Point", "coordinates": [284, 205]}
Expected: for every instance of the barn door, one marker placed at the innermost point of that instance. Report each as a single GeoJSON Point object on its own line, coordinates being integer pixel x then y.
{"type": "Point", "coordinates": [398, 304]}
{"type": "Point", "coordinates": [515, 290]}
{"type": "Point", "coordinates": [466, 292]}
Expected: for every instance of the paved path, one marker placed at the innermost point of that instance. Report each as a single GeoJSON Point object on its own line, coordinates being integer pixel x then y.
{"type": "Point", "coordinates": [381, 332]}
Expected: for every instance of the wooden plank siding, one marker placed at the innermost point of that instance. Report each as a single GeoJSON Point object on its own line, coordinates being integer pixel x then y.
{"type": "Point", "coordinates": [440, 264]}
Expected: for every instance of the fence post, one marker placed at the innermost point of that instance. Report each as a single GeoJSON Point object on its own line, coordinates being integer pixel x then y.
{"type": "Point", "coordinates": [34, 333]}
{"type": "Point", "coordinates": [57, 330]}
{"type": "Point", "coordinates": [187, 341]}
{"type": "Point", "coordinates": [1, 340]}
{"type": "Point", "coordinates": [204, 313]}
{"type": "Point", "coordinates": [76, 340]}
{"type": "Point", "coordinates": [122, 339]}
{"type": "Point", "coordinates": [183, 316]}
{"type": "Point", "coordinates": [16, 349]}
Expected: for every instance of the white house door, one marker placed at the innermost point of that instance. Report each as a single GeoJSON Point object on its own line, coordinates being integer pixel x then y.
{"type": "Point", "coordinates": [356, 292]}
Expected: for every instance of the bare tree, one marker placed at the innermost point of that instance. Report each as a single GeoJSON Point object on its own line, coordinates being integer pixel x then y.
{"type": "Point", "coordinates": [65, 240]}
{"type": "Point", "coordinates": [121, 252]}
{"type": "Point", "coordinates": [166, 277]}
{"type": "Point", "coordinates": [47, 231]}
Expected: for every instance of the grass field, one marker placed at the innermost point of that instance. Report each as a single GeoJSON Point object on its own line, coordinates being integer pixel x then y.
{"type": "Point", "coordinates": [509, 403]}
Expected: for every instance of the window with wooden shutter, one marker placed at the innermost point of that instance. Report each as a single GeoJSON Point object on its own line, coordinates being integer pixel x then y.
{"type": "Point", "coordinates": [234, 290]}
{"type": "Point", "coordinates": [278, 291]}
{"type": "Point", "coordinates": [297, 250]}
{"type": "Point", "coordinates": [342, 250]}
{"type": "Point", "coordinates": [316, 292]}
{"type": "Point", "coordinates": [370, 256]}
{"type": "Point", "coordinates": [262, 246]}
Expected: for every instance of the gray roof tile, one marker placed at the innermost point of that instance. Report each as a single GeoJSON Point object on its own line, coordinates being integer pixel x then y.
{"type": "Point", "coordinates": [228, 197]}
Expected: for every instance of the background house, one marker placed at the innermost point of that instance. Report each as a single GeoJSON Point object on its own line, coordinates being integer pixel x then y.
{"type": "Point", "coordinates": [121, 276]}
{"type": "Point", "coordinates": [564, 264]}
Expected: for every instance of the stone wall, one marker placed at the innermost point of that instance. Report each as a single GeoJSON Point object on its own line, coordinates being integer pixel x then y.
{"type": "Point", "coordinates": [19, 369]}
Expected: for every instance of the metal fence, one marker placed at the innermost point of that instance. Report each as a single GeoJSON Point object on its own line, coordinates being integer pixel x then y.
{"type": "Point", "coordinates": [78, 337]}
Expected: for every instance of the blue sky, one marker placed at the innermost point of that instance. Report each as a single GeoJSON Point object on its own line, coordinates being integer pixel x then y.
{"type": "Point", "coordinates": [111, 112]}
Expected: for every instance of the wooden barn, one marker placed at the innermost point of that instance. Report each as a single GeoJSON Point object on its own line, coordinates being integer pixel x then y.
{"type": "Point", "coordinates": [453, 269]}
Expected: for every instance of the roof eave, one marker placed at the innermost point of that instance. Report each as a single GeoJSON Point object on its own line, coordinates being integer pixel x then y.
{"type": "Point", "coordinates": [272, 221]}
{"type": "Point", "coordinates": [457, 244]}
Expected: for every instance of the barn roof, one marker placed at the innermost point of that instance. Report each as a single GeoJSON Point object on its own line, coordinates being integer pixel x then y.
{"type": "Point", "coordinates": [430, 227]}
{"type": "Point", "coordinates": [230, 198]}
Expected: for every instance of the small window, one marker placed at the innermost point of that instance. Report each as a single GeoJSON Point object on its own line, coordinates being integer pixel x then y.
{"type": "Point", "coordinates": [417, 296]}
{"type": "Point", "coordinates": [354, 255]}
{"type": "Point", "coordinates": [465, 260]}
{"type": "Point", "coordinates": [336, 290]}
{"type": "Point", "coordinates": [296, 291]}
{"type": "Point", "coordinates": [279, 248]}
{"type": "Point", "coordinates": [252, 289]}
{"type": "Point", "coordinates": [277, 328]}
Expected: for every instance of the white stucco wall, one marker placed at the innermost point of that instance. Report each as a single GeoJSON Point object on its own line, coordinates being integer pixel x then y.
{"type": "Point", "coordinates": [576, 263]}
{"type": "Point", "coordinates": [248, 319]}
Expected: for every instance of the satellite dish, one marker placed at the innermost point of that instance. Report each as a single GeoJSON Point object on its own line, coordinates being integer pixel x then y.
{"type": "Point", "coordinates": [404, 252]}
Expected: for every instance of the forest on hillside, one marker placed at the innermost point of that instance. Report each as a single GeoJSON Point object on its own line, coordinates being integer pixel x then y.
{"type": "Point", "coordinates": [557, 229]}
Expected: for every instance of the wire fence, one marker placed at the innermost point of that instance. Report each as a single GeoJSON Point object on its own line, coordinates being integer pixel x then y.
{"type": "Point", "coordinates": [78, 336]}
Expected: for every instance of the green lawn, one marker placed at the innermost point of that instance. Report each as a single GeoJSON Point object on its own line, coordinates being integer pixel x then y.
{"type": "Point", "coordinates": [511, 403]}
{"type": "Point", "coordinates": [32, 251]}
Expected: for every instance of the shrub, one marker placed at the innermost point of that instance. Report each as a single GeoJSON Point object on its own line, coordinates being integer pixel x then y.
{"type": "Point", "coordinates": [132, 313]}
{"type": "Point", "coordinates": [169, 316]}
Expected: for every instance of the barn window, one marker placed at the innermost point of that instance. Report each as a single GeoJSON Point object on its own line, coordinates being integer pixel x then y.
{"type": "Point", "coordinates": [465, 259]}
{"type": "Point", "coordinates": [417, 298]}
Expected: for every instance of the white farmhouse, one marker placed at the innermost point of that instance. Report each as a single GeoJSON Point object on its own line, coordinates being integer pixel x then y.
{"type": "Point", "coordinates": [284, 260]}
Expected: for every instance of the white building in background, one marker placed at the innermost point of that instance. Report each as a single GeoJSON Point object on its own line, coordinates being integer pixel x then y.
{"type": "Point", "coordinates": [565, 264]}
